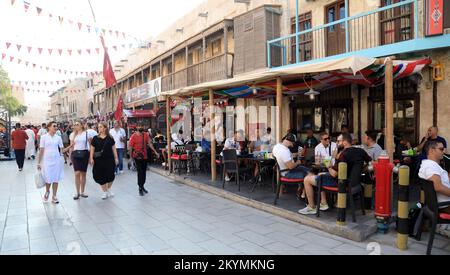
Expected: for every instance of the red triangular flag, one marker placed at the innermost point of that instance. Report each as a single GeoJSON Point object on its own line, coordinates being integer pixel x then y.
{"type": "Point", "coordinates": [29, 49]}
{"type": "Point", "coordinates": [108, 73]}
{"type": "Point", "coordinates": [79, 51]}
{"type": "Point", "coordinates": [34, 66]}
{"type": "Point", "coordinates": [119, 110]}
{"type": "Point", "coordinates": [60, 51]}
{"type": "Point", "coordinates": [26, 5]}
{"type": "Point", "coordinates": [11, 58]}
{"type": "Point", "coordinates": [12, 2]}
{"type": "Point", "coordinates": [89, 51]}
{"type": "Point", "coordinates": [3, 56]}
{"type": "Point", "coordinates": [18, 47]}
{"type": "Point", "coordinates": [39, 10]}
{"type": "Point", "coordinates": [57, 82]}
{"type": "Point", "coordinates": [19, 60]}
{"type": "Point", "coordinates": [64, 81]}
{"type": "Point", "coordinates": [8, 45]}
{"type": "Point", "coordinates": [50, 51]}
{"type": "Point", "coordinates": [47, 68]}
{"type": "Point", "coordinates": [59, 70]}
{"type": "Point", "coordinates": [65, 71]}
{"type": "Point", "coordinates": [69, 51]}
{"type": "Point", "coordinates": [97, 50]}
{"type": "Point", "coordinates": [50, 15]}
{"type": "Point", "coordinates": [79, 26]}
{"type": "Point", "coordinates": [40, 50]}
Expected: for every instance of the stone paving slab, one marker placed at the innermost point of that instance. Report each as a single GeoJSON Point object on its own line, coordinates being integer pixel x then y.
{"type": "Point", "coordinates": [173, 219]}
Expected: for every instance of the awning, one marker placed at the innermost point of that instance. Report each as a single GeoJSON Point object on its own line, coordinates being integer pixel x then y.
{"type": "Point", "coordinates": [351, 64]}
{"type": "Point", "coordinates": [139, 113]}
{"type": "Point", "coordinates": [370, 76]}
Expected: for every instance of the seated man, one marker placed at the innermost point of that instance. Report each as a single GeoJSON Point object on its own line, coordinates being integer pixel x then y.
{"type": "Point", "coordinates": [284, 158]}
{"type": "Point", "coordinates": [350, 155]}
{"type": "Point", "coordinates": [326, 148]}
{"type": "Point", "coordinates": [372, 148]}
{"type": "Point", "coordinates": [432, 171]}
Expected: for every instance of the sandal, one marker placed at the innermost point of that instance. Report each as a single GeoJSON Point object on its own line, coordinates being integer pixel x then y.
{"type": "Point", "coordinates": [47, 194]}
{"type": "Point", "coordinates": [55, 200]}
{"type": "Point", "coordinates": [84, 196]}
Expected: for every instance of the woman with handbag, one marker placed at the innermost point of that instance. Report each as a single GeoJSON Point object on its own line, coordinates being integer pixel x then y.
{"type": "Point", "coordinates": [104, 159]}
{"type": "Point", "coordinates": [79, 143]}
{"type": "Point", "coordinates": [50, 161]}
{"type": "Point", "coordinates": [138, 146]}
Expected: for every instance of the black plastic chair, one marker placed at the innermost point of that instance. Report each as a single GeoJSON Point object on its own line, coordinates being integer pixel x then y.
{"type": "Point", "coordinates": [356, 188]}
{"type": "Point", "coordinates": [431, 211]}
{"type": "Point", "coordinates": [282, 180]}
{"type": "Point", "coordinates": [230, 164]}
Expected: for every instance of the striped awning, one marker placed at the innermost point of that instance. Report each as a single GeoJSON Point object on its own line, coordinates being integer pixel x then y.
{"type": "Point", "coordinates": [370, 76]}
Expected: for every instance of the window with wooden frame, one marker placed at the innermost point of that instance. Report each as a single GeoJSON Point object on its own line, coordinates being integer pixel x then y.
{"type": "Point", "coordinates": [305, 40]}
{"type": "Point", "coordinates": [396, 24]}
{"type": "Point", "coordinates": [216, 47]}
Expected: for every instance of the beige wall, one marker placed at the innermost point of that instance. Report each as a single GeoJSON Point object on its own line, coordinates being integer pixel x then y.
{"type": "Point", "coordinates": [443, 97]}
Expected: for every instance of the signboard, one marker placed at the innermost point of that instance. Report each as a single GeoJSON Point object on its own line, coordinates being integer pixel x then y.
{"type": "Point", "coordinates": [148, 90]}
{"type": "Point", "coordinates": [435, 17]}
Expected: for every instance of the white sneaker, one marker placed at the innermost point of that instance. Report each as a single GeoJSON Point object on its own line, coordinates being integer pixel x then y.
{"type": "Point", "coordinates": [308, 211]}
{"type": "Point", "coordinates": [227, 178]}
{"type": "Point", "coordinates": [110, 194]}
{"type": "Point", "coordinates": [324, 207]}
{"type": "Point", "coordinates": [104, 195]}
{"type": "Point", "coordinates": [121, 172]}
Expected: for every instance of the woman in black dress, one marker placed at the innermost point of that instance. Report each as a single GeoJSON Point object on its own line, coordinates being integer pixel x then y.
{"type": "Point", "coordinates": [103, 158]}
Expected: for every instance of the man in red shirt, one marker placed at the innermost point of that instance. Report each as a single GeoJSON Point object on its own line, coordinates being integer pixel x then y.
{"type": "Point", "coordinates": [138, 151]}
{"type": "Point", "coordinates": [18, 143]}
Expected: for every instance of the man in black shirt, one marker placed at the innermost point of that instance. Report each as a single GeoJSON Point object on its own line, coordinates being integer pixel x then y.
{"type": "Point", "coordinates": [349, 155]}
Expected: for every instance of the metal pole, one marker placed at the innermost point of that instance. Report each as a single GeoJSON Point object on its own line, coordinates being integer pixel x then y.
{"type": "Point", "coordinates": [403, 208]}
{"type": "Point", "coordinates": [297, 45]}
{"type": "Point", "coordinates": [347, 34]}
{"type": "Point", "coordinates": [168, 138]}
{"type": "Point", "coordinates": [279, 103]}
{"type": "Point", "coordinates": [212, 123]}
{"type": "Point", "coordinates": [389, 108]}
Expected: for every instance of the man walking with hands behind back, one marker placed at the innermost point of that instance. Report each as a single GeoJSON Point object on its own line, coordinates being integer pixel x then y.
{"type": "Point", "coordinates": [119, 135]}
{"type": "Point", "coordinates": [19, 143]}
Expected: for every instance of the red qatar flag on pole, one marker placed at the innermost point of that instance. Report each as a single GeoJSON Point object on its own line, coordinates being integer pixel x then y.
{"type": "Point", "coordinates": [119, 110]}
{"type": "Point", "coordinates": [108, 73]}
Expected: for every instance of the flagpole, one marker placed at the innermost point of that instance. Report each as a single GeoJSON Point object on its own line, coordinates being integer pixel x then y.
{"type": "Point", "coordinates": [92, 10]}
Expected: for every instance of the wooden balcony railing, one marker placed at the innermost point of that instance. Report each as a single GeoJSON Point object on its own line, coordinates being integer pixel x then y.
{"type": "Point", "coordinates": [215, 68]}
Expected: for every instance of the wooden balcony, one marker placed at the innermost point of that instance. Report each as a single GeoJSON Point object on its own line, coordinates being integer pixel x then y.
{"type": "Point", "coordinates": [215, 68]}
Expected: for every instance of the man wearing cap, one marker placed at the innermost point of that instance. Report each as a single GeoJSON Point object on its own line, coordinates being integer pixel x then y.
{"type": "Point", "coordinates": [284, 158]}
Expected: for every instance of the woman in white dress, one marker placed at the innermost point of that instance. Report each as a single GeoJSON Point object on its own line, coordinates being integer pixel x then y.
{"type": "Point", "coordinates": [30, 150]}
{"type": "Point", "coordinates": [50, 161]}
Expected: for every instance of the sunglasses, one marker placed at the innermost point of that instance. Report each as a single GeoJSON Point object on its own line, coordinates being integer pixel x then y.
{"type": "Point", "coordinates": [326, 138]}
{"type": "Point", "coordinates": [55, 126]}
{"type": "Point", "coordinates": [440, 148]}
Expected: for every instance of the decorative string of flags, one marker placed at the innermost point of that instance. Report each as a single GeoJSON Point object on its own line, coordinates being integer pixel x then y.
{"type": "Point", "coordinates": [40, 83]}
{"type": "Point", "coordinates": [24, 89]}
{"type": "Point", "coordinates": [26, 63]}
{"type": "Point", "coordinates": [90, 28]}
{"type": "Point", "coordinates": [70, 52]}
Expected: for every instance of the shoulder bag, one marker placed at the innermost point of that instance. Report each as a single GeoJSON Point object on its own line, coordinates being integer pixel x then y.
{"type": "Point", "coordinates": [140, 155]}
{"type": "Point", "coordinates": [81, 154]}
{"type": "Point", "coordinates": [100, 153]}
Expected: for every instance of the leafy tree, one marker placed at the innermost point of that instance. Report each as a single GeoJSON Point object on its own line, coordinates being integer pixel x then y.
{"type": "Point", "coordinates": [7, 100]}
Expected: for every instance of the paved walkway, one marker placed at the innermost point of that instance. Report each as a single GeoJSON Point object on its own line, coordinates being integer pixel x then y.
{"type": "Point", "coordinates": [172, 219]}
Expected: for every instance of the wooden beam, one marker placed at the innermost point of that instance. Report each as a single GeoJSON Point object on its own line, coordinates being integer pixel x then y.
{"type": "Point", "coordinates": [213, 135]}
{"type": "Point", "coordinates": [279, 104]}
{"type": "Point", "coordinates": [389, 108]}
{"type": "Point", "coordinates": [168, 137]}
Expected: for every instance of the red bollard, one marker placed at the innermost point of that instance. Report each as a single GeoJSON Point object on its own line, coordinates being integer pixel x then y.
{"type": "Point", "coordinates": [383, 192]}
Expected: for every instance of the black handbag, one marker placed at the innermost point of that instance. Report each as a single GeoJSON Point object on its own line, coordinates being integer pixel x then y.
{"type": "Point", "coordinates": [81, 154]}
{"type": "Point", "coordinates": [100, 153]}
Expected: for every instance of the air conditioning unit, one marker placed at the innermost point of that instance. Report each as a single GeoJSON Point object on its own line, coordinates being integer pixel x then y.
{"type": "Point", "coordinates": [447, 31]}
